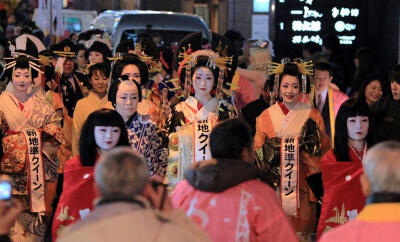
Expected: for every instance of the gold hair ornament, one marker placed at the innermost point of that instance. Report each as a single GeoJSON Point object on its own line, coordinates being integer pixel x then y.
{"type": "Point", "coordinates": [305, 68]}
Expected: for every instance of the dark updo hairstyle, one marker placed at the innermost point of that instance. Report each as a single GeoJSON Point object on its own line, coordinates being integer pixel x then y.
{"type": "Point", "coordinates": [103, 68]}
{"type": "Point", "coordinates": [131, 59]}
{"type": "Point", "coordinates": [112, 92]}
{"type": "Point", "coordinates": [368, 79]}
{"type": "Point", "coordinates": [88, 148]}
{"type": "Point", "coordinates": [290, 69]}
{"type": "Point", "coordinates": [22, 62]}
{"type": "Point", "coordinates": [350, 108]}
{"type": "Point", "coordinates": [201, 62]}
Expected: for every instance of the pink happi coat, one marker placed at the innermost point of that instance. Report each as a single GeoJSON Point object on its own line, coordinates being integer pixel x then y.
{"type": "Point", "coordinates": [227, 201]}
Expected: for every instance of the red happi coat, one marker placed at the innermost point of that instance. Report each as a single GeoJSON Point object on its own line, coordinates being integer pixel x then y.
{"type": "Point", "coordinates": [343, 197]}
{"type": "Point", "coordinates": [77, 197]}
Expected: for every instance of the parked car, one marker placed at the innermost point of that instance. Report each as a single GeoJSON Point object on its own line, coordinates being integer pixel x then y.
{"type": "Point", "coordinates": [170, 27]}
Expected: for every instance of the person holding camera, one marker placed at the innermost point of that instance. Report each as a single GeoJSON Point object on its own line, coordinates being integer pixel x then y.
{"type": "Point", "coordinates": [131, 206]}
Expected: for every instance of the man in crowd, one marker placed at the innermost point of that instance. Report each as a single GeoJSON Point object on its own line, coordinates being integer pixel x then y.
{"type": "Point", "coordinates": [224, 196]}
{"type": "Point", "coordinates": [325, 98]}
{"type": "Point", "coordinates": [387, 115]}
{"type": "Point", "coordinates": [123, 211]}
{"type": "Point", "coordinates": [380, 218]}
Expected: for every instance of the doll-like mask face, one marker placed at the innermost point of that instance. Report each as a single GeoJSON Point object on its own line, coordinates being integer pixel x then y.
{"type": "Point", "coordinates": [203, 81]}
{"type": "Point", "coordinates": [106, 137]}
{"type": "Point", "coordinates": [357, 127]}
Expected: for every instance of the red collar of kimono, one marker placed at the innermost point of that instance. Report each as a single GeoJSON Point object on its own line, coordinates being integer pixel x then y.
{"type": "Point", "coordinates": [285, 110]}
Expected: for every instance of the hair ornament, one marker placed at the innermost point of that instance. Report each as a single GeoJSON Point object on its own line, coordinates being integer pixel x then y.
{"type": "Point", "coordinates": [13, 61]}
{"type": "Point", "coordinates": [103, 38]}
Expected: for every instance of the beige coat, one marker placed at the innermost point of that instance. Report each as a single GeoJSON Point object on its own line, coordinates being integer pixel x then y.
{"type": "Point", "coordinates": [123, 221]}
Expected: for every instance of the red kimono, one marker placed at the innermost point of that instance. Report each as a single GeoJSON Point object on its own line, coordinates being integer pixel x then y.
{"type": "Point", "coordinates": [343, 198]}
{"type": "Point", "coordinates": [78, 194]}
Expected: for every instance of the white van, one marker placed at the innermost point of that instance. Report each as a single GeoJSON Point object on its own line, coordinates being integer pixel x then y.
{"type": "Point", "coordinates": [170, 26]}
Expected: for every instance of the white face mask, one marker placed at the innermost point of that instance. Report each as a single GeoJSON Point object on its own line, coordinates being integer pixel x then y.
{"type": "Point", "coordinates": [127, 99]}
{"type": "Point", "coordinates": [106, 137]}
{"type": "Point", "coordinates": [357, 127]}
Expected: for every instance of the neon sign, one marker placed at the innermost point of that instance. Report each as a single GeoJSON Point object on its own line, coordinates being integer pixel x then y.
{"type": "Point", "coordinates": [301, 21]}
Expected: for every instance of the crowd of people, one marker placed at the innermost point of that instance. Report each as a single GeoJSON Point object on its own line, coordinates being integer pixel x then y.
{"type": "Point", "coordinates": [106, 146]}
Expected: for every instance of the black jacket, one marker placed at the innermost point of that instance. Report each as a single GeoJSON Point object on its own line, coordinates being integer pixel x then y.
{"type": "Point", "coordinates": [219, 175]}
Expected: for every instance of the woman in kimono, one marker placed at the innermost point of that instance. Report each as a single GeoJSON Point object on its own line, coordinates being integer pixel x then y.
{"type": "Point", "coordinates": [203, 74]}
{"type": "Point", "coordinates": [103, 130]}
{"type": "Point", "coordinates": [97, 99]}
{"type": "Point", "coordinates": [342, 166]}
{"type": "Point", "coordinates": [142, 131]}
{"type": "Point", "coordinates": [30, 137]}
{"type": "Point", "coordinates": [133, 67]}
{"type": "Point", "coordinates": [290, 140]}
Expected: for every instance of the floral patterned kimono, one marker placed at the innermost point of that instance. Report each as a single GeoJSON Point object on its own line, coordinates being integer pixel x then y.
{"type": "Point", "coordinates": [143, 137]}
{"type": "Point", "coordinates": [292, 142]}
{"type": "Point", "coordinates": [191, 125]}
{"type": "Point", "coordinates": [34, 172]}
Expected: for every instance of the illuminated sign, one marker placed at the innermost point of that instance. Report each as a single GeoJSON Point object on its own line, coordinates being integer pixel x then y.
{"type": "Point", "coordinates": [261, 6]}
{"type": "Point", "coordinates": [298, 22]}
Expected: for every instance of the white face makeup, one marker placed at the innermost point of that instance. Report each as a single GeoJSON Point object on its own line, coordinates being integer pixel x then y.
{"type": "Point", "coordinates": [106, 137]}
{"type": "Point", "coordinates": [203, 81]}
{"type": "Point", "coordinates": [289, 89]}
{"type": "Point", "coordinates": [21, 80]}
{"type": "Point", "coordinates": [322, 80]}
{"type": "Point", "coordinates": [95, 57]}
{"type": "Point", "coordinates": [373, 92]}
{"type": "Point", "coordinates": [127, 99]}
{"type": "Point", "coordinates": [132, 71]}
{"type": "Point", "coordinates": [357, 127]}
{"type": "Point", "coordinates": [395, 90]}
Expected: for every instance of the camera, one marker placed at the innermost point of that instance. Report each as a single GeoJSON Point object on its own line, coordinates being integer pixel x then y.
{"type": "Point", "coordinates": [5, 187]}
